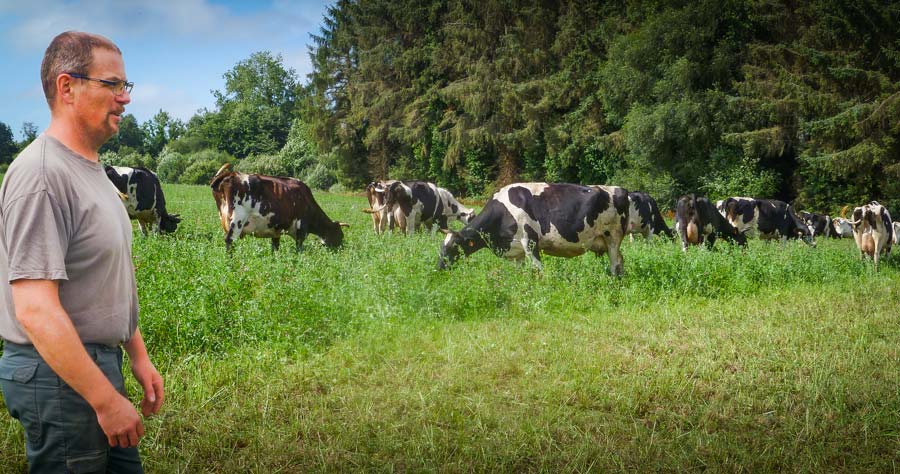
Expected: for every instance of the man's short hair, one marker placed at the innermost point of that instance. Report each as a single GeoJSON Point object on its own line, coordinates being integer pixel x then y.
{"type": "Point", "coordinates": [70, 52]}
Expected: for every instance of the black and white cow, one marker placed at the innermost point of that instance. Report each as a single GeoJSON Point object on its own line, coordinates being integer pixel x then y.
{"type": "Point", "coordinates": [645, 218]}
{"type": "Point", "coordinates": [818, 224]}
{"type": "Point", "coordinates": [872, 230]}
{"type": "Point", "coordinates": [414, 203]}
{"type": "Point", "coordinates": [270, 207]}
{"type": "Point", "coordinates": [143, 198]}
{"type": "Point", "coordinates": [766, 218]}
{"type": "Point", "coordinates": [696, 220]}
{"type": "Point", "coordinates": [523, 220]}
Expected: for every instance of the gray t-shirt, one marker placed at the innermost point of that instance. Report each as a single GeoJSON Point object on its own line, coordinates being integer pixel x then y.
{"type": "Point", "coordinates": [61, 219]}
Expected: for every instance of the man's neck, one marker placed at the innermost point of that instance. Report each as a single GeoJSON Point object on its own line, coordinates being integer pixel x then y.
{"type": "Point", "coordinates": [69, 136]}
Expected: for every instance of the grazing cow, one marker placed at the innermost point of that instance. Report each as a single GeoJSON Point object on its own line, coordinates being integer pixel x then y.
{"type": "Point", "coordinates": [696, 220]}
{"type": "Point", "coordinates": [818, 224]}
{"type": "Point", "coordinates": [564, 220]}
{"type": "Point", "coordinates": [766, 218]}
{"type": "Point", "coordinates": [414, 203]}
{"type": "Point", "coordinates": [872, 230]}
{"type": "Point", "coordinates": [143, 198]}
{"type": "Point", "coordinates": [841, 228]}
{"type": "Point", "coordinates": [644, 216]}
{"type": "Point", "coordinates": [269, 206]}
{"type": "Point", "coordinates": [896, 233]}
{"type": "Point", "coordinates": [381, 217]}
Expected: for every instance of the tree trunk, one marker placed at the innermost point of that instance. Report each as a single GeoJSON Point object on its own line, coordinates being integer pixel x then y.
{"type": "Point", "coordinates": [509, 169]}
{"type": "Point", "coordinates": [378, 163]}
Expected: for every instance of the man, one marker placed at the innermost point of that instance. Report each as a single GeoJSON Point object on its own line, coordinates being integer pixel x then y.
{"type": "Point", "coordinates": [68, 299]}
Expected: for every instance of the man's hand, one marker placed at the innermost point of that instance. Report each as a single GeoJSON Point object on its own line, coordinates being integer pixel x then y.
{"type": "Point", "coordinates": [120, 421]}
{"type": "Point", "coordinates": [147, 375]}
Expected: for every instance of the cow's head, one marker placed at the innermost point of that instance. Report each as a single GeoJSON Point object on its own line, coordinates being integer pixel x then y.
{"type": "Point", "coordinates": [864, 218]}
{"type": "Point", "coordinates": [458, 244]}
{"type": "Point", "coordinates": [396, 194]}
{"type": "Point", "coordinates": [738, 236]}
{"type": "Point", "coordinates": [842, 227]}
{"type": "Point", "coordinates": [168, 223]}
{"type": "Point", "coordinates": [332, 235]}
{"type": "Point", "coordinates": [801, 230]}
{"type": "Point", "coordinates": [375, 194]}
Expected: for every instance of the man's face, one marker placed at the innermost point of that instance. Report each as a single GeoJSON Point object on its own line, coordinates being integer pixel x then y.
{"type": "Point", "coordinates": [99, 109]}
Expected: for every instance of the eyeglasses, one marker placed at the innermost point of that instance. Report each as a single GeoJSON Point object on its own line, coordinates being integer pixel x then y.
{"type": "Point", "coordinates": [118, 87]}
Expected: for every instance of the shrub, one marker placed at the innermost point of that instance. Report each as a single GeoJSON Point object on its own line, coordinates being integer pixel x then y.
{"type": "Point", "coordinates": [272, 165]}
{"type": "Point", "coordinates": [319, 176]}
{"type": "Point", "coordinates": [734, 175]}
{"type": "Point", "coordinates": [127, 156]}
{"type": "Point", "coordinates": [200, 172]}
{"type": "Point", "coordinates": [171, 165]}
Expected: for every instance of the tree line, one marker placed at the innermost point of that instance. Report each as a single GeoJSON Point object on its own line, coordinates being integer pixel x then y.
{"type": "Point", "coordinates": [792, 100]}
{"type": "Point", "coordinates": [767, 98]}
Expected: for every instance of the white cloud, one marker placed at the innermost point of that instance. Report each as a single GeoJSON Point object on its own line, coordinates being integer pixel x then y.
{"type": "Point", "coordinates": [38, 21]}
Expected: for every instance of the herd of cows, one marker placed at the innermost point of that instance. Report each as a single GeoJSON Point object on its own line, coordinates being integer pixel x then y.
{"type": "Point", "coordinates": [521, 220]}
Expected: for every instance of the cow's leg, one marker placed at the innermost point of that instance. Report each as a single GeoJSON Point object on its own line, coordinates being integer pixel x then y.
{"type": "Point", "coordinates": [680, 230]}
{"type": "Point", "coordinates": [616, 262]}
{"type": "Point", "coordinates": [299, 236]}
{"type": "Point", "coordinates": [143, 225]}
{"type": "Point", "coordinates": [234, 232]}
{"type": "Point", "coordinates": [441, 223]}
{"type": "Point", "coordinates": [533, 251]}
{"type": "Point", "coordinates": [276, 242]}
{"type": "Point", "coordinates": [710, 240]}
{"type": "Point", "coordinates": [877, 255]}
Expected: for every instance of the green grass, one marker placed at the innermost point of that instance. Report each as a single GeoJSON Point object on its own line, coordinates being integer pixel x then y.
{"type": "Point", "coordinates": [775, 358]}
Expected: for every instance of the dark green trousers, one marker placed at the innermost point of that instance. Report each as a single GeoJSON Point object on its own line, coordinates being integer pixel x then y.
{"type": "Point", "coordinates": [62, 434]}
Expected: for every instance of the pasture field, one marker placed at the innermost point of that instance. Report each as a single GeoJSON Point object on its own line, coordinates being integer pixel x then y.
{"type": "Point", "coordinates": [776, 358]}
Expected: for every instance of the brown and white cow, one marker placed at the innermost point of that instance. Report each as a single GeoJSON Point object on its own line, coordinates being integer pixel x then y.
{"type": "Point", "coordinates": [523, 220]}
{"type": "Point", "coordinates": [697, 220]}
{"type": "Point", "coordinates": [382, 217]}
{"type": "Point", "coordinates": [872, 230]}
{"type": "Point", "coordinates": [269, 207]}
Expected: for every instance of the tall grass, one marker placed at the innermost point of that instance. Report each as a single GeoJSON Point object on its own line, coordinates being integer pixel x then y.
{"type": "Point", "coordinates": [771, 358]}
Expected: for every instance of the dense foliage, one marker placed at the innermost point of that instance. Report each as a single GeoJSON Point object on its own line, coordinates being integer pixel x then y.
{"type": "Point", "coordinates": [768, 98]}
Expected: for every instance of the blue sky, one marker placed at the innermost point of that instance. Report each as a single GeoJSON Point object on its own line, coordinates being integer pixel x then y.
{"type": "Point", "coordinates": [175, 51]}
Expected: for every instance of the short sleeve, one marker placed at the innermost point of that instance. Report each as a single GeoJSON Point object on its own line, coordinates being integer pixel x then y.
{"type": "Point", "coordinates": [36, 238]}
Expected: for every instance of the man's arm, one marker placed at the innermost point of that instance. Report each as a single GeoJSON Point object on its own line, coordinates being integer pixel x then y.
{"type": "Point", "coordinates": [47, 324]}
{"type": "Point", "coordinates": [145, 373]}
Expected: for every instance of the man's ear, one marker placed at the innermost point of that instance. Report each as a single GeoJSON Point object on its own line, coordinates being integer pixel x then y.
{"type": "Point", "coordinates": [65, 90]}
